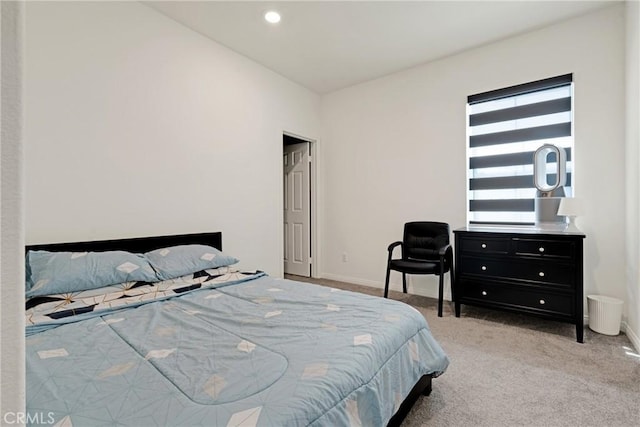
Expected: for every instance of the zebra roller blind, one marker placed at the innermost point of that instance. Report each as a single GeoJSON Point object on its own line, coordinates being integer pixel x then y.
{"type": "Point", "coordinates": [505, 127]}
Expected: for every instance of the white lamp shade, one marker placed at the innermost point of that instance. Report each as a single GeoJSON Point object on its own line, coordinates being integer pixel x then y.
{"type": "Point", "coordinates": [570, 206]}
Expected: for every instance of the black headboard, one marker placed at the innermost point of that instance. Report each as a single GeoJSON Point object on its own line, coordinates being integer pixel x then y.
{"type": "Point", "coordinates": [135, 245]}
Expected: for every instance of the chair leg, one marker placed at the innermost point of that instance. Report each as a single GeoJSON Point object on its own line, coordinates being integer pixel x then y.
{"type": "Point", "coordinates": [454, 295]}
{"type": "Point", "coordinates": [404, 283]}
{"type": "Point", "coordinates": [440, 291]}
{"type": "Point", "coordinates": [386, 283]}
{"type": "Point", "coordinates": [452, 279]}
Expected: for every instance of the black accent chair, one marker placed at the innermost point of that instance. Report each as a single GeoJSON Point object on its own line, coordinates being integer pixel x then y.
{"type": "Point", "coordinates": [425, 249]}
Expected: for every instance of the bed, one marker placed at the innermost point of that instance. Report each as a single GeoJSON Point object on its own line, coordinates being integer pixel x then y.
{"type": "Point", "coordinates": [215, 346]}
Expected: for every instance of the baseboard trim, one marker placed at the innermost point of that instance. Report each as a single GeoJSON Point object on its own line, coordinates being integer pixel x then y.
{"type": "Point", "coordinates": [397, 287]}
{"type": "Point", "coordinates": [354, 280]}
{"type": "Point", "coordinates": [632, 335]}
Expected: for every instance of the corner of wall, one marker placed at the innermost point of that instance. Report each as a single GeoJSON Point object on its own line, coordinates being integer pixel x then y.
{"type": "Point", "coordinates": [632, 131]}
{"type": "Point", "coordinates": [12, 341]}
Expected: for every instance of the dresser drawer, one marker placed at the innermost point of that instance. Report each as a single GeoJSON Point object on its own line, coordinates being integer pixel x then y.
{"type": "Point", "coordinates": [488, 245]}
{"type": "Point", "coordinates": [548, 273]}
{"type": "Point", "coordinates": [484, 267]}
{"type": "Point", "coordinates": [544, 248]}
{"type": "Point", "coordinates": [519, 297]}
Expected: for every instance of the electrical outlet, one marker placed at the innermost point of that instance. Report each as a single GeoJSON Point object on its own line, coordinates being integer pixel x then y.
{"type": "Point", "coordinates": [345, 258]}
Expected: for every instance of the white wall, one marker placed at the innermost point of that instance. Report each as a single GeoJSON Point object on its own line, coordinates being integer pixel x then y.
{"type": "Point", "coordinates": [633, 167]}
{"type": "Point", "coordinates": [12, 365]}
{"type": "Point", "coordinates": [395, 147]}
{"type": "Point", "coordinates": [136, 125]}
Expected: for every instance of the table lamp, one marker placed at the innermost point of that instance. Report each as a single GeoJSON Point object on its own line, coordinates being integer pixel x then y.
{"type": "Point", "coordinates": [570, 207]}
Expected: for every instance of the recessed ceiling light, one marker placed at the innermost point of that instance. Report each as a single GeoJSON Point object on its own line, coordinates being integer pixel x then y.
{"type": "Point", "coordinates": [272, 17]}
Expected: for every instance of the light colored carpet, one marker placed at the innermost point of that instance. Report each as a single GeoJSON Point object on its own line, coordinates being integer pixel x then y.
{"type": "Point", "coordinates": [516, 370]}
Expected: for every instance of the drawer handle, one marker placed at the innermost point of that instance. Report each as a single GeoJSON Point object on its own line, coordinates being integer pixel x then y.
{"type": "Point", "coordinates": [542, 302]}
{"type": "Point", "coordinates": [484, 293]}
{"type": "Point", "coordinates": [484, 268]}
{"type": "Point", "coordinates": [484, 245]}
{"type": "Point", "coordinates": [541, 274]}
{"type": "Point", "coordinates": [541, 249]}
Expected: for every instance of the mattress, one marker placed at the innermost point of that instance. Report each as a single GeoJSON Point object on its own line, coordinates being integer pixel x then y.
{"type": "Point", "coordinates": [224, 348]}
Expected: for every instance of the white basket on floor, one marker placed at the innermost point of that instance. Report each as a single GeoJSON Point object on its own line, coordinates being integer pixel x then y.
{"type": "Point", "coordinates": [605, 314]}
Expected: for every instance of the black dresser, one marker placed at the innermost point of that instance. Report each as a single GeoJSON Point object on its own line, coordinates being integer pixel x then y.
{"type": "Point", "coordinates": [522, 270]}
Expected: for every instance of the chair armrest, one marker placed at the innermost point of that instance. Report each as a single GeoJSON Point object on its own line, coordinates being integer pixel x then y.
{"type": "Point", "coordinates": [393, 245]}
{"type": "Point", "coordinates": [391, 248]}
{"type": "Point", "coordinates": [444, 250]}
{"type": "Point", "coordinates": [446, 256]}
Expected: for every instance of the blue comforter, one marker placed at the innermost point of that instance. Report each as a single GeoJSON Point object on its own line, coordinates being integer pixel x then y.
{"type": "Point", "coordinates": [249, 351]}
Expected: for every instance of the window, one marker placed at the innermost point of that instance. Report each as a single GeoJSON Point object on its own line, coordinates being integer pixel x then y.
{"type": "Point", "coordinates": [505, 127]}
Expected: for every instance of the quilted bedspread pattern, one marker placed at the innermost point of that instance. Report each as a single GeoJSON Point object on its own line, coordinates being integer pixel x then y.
{"type": "Point", "coordinates": [225, 349]}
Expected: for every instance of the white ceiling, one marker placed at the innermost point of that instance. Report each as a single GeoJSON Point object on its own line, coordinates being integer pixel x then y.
{"type": "Point", "coordinates": [329, 45]}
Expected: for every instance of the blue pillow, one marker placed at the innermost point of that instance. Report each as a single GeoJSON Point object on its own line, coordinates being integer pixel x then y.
{"type": "Point", "coordinates": [61, 272]}
{"type": "Point", "coordinates": [176, 261]}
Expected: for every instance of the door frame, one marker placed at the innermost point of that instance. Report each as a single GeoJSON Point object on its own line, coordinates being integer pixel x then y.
{"type": "Point", "coordinates": [313, 201]}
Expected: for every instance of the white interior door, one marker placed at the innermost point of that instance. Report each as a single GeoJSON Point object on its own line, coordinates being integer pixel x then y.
{"type": "Point", "coordinates": [297, 259]}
